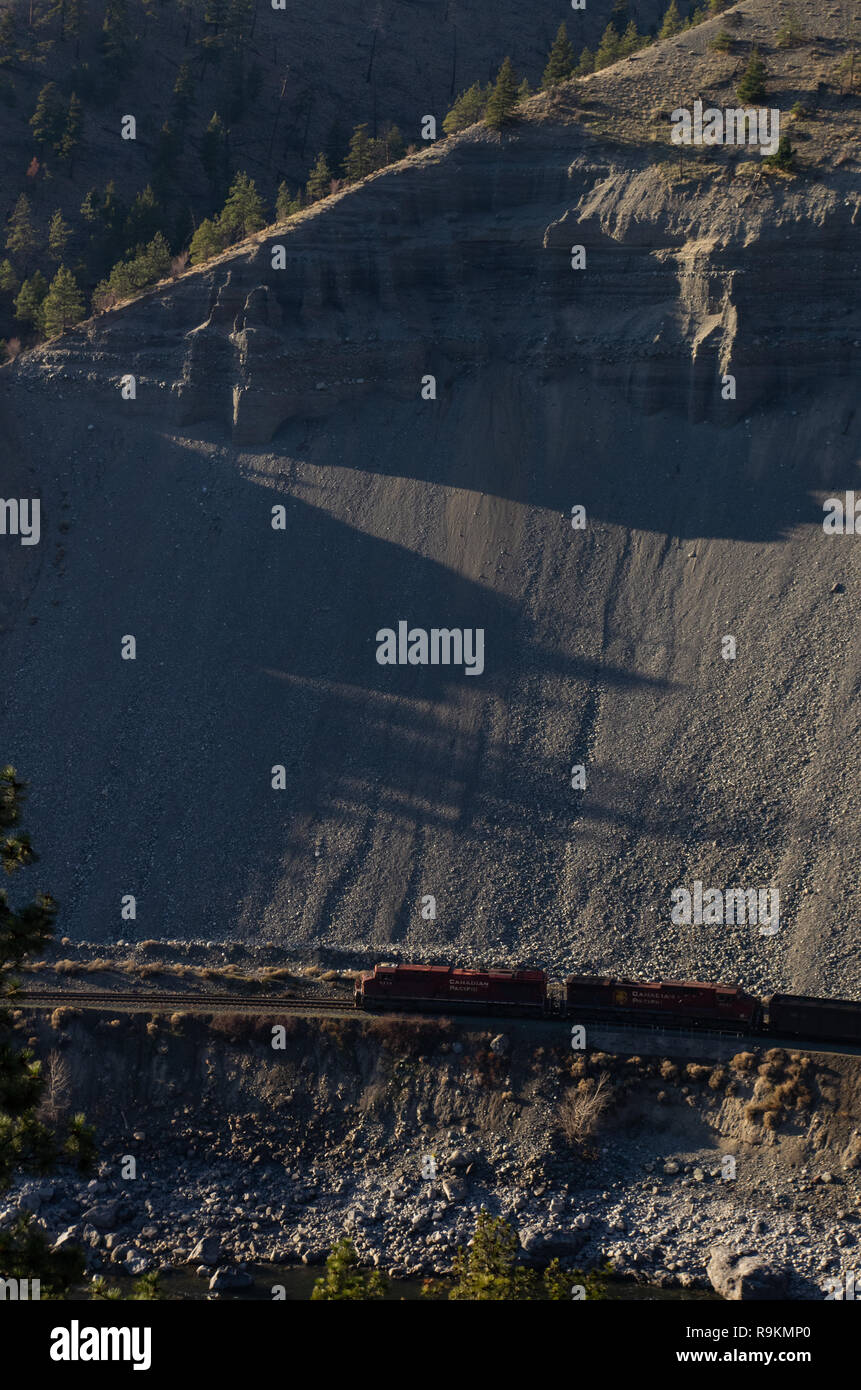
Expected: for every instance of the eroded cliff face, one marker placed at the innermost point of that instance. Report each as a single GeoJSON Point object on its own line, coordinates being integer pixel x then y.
{"type": "Point", "coordinates": [302, 388]}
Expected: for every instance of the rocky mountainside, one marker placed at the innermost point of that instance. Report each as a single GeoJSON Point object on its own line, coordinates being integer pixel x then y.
{"type": "Point", "coordinates": [302, 388]}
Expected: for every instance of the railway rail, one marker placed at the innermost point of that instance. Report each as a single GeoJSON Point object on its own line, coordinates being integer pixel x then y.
{"type": "Point", "coordinates": [111, 999]}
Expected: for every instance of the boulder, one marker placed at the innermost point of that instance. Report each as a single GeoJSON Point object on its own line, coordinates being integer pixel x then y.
{"type": "Point", "coordinates": [229, 1279]}
{"type": "Point", "coordinates": [136, 1262]}
{"type": "Point", "coordinates": [744, 1276]}
{"type": "Point", "coordinates": [104, 1216]}
{"type": "Point", "coordinates": [207, 1250]}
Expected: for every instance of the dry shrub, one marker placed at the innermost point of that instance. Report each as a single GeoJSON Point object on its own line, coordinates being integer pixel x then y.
{"type": "Point", "coordinates": [669, 1070]}
{"type": "Point", "coordinates": [582, 1106]}
{"type": "Point", "coordinates": [55, 1096]}
{"type": "Point", "coordinates": [743, 1062]}
{"type": "Point", "coordinates": [68, 967]}
{"type": "Point", "coordinates": [60, 1017]}
{"type": "Point", "coordinates": [247, 1027]}
{"type": "Point", "coordinates": [152, 1028]}
{"type": "Point", "coordinates": [177, 1020]}
{"type": "Point", "coordinates": [695, 1071]}
{"type": "Point", "coordinates": [717, 1078]}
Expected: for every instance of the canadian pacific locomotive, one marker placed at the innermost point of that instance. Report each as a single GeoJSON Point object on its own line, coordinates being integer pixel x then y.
{"type": "Point", "coordinates": [581, 998]}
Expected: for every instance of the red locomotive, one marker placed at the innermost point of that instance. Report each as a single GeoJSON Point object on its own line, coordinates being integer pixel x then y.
{"type": "Point", "coordinates": [665, 1001]}
{"type": "Point", "coordinates": [447, 987]}
{"type": "Point", "coordinates": [685, 1003]}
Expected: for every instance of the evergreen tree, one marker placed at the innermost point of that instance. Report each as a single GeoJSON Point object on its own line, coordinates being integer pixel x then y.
{"type": "Point", "coordinates": [672, 22]}
{"type": "Point", "coordinates": [8, 38]}
{"type": "Point", "coordinates": [784, 156]}
{"type": "Point", "coordinates": [116, 37]}
{"type": "Point", "coordinates": [345, 1280]}
{"type": "Point", "coordinates": [75, 15]}
{"type": "Point", "coordinates": [560, 61]}
{"type": "Point", "coordinates": [21, 236]}
{"type": "Point", "coordinates": [144, 219]}
{"type": "Point", "coordinates": [244, 212]}
{"type": "Point", "coordinates": [630, 41]}
{"type": "Point", "coordinates": [586, 63]}
{"type": "Point", "coordinates": [207, 241]}
{"type": "Point", "coordinates": [717, 6]}
{"type": "Point", "coordinates": [469, 108]}
{"type": "Point", "coordinates": [490, 1271]}
{"type": "Point", "coordinates": [90, 207]}
{"type": "Point", "coordinates": [619, 16]}
{"type": "Point", "coordinates": [395, 146]}
{"type": "Point", "coordinates": [319, 180]}
{"type": "Point", "coordinates": [608, 48]}
{"type": "Point", "coordinates": [71, 138]}
{"type": "Point", "coordinates": [286, 203]}
{"type": "Point", "coordinates": [9, 282]}
{"type": "Point", "coordinates": [524, 91]}
{"type": "Point", "coordinates": [48, 119]}
{"type": "Point", "coordinates": [63, 305]}
{"type": "Point", "coordinates": [751, 85]}
{"type": "Point", "coordinates": [360, 157]}
{"type": "Point", "coordinates": [503, 99]}
{"type": "Point", "coordinates": [58, 235]}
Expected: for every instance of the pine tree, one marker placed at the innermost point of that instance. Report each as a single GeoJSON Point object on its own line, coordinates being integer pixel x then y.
{"type": "Point", "coordinates": [8, 38]}
{"type": "Point", "coordinates": [560, 61]}
{"type": "Point", "coordinates": [21, 236]}
{"type": "Point", "coordinates": [608, 48]}
{"type": "Point", "coordinates": [784, 156]}
{"type": "Point", "coordinates": [116, 36]}
{"type": "Point", "coordinates": [286, 203]}
{"type": "Point", "coordinates": [395, 146]}
{"type": "Point", "coordinates": [360, 157]}
{"type": "Point", "coordinates": [503, 98]}
{"type": "Point", "coordinates": [28, 305]}
{"type": "Point", "coordinates": [630, 41]}
{"type": "Point", "coordinates": [619, 16]}
{"type": "Point", "coordinates": [345, 1280]}
{"type": "Point", "coordinates": [63, 305]}
{"type": "Point", "coordinates": [586, 63]}
{"type": "Point", "coordinates": [672, 22]}
{"type": "Point", "coordinates": [244, 212]}
{"type": "Point", "coordinates": [469, 108]}
{"type": "Point", "coordinates": [207, 241]}
{"type": "Point", "coordinates": [9, 282]}
{"type": "Point", "coordinates": [58, 235]}
{"type": "Point", "coordinates": [144, 219]}
{"type": "Point", "coordinates": [48, 119]}
{"type": "Point", "coordinates": [524, 91]}
{"type": "Point", "coordinates": [319, 180]}
{"type": "Point", "coordinates": [71, 137]}
{"type": "Point", "coordinates": [751, 85]}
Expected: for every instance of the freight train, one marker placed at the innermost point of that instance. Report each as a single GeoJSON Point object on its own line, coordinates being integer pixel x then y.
{"type": "Point", "coordinates": [582, 998]}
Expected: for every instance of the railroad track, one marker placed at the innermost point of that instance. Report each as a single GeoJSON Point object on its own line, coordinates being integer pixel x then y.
{"type": "Point", "coordinates": [110, 999]}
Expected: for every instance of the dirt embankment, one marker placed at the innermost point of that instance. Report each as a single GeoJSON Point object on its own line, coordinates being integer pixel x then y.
{"type": "Point", "coordinates": [255, 647]}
